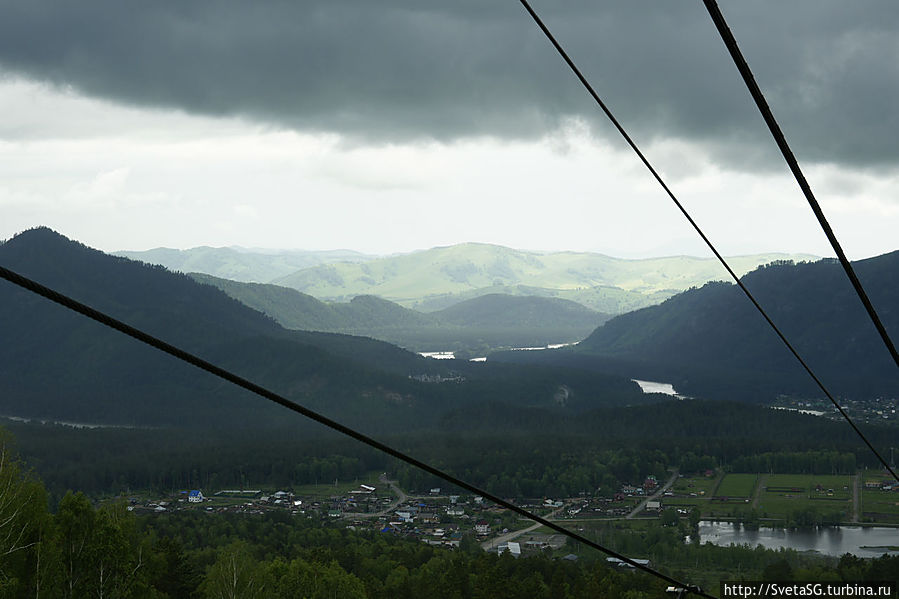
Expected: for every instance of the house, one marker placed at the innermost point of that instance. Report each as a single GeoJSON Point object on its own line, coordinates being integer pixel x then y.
{"type": "Point", "coordinates": [195, 497]}
{"type": "Point", "coordinates": [428, 518]}
{"type": "Point", "coordinates": [481, 527]}
{"type": "Point", "coordinates": [653, 505]}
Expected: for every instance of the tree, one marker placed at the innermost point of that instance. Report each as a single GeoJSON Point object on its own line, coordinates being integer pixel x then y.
{"type": "Point", "coordinates": [669, 517]}
{"type": "Point", "coordinates": [23, 518]}
{"type": "Point", "coordinates": [319, 581]}
{"type": "Point", "coordinates": [779, 570]}
{"type": "Point", "coordinates": [236, 575]}
{"type": "Point", "coordinates": [172, 573]}
{"type": "Point", "coordinates": [74, 525]}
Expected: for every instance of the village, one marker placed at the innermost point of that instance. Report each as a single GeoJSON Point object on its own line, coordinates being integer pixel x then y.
{"type": "Point", "coordinates": [434, 517]}
{"type": "Point", "coordinates": [879, 410]}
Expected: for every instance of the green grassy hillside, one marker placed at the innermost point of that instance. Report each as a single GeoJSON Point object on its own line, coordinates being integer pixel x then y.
{"type": "Point", "coordinates": [437, 278]}
{"type": "Point", "coordinates": [239, 264]}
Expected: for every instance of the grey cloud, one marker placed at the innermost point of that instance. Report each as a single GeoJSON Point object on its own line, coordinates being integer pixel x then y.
{"type": "Point", "coordinates": [403, 70]}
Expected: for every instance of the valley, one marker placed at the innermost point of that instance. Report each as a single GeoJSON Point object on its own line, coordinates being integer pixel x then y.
{"type": "Point", "coordinates": [579, 430]}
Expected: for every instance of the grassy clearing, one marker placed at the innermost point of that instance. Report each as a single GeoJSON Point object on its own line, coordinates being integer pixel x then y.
{"type": "Point", "coordinates": [879, 506]}
{"type": "Point", "coordinates": [737, 485]}
{"type": "Point", "coordinates": [701, 485]}
{"type": "Point", "coordinates": [324, 491]}
{"type": "Point", "coordinates": [684, 501]}
{"type": "Point", "coordinates": [784, 494]}
{"type": "Point", "coordinates": [813, 486]}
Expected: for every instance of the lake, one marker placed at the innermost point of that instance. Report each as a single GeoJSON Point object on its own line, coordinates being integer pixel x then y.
{"type": "Point", "coordinates": [857, 540]}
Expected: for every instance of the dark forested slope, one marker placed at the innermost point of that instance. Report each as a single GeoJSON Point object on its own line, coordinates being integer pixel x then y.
{"type": "Point", "coordinates": [499, 310]}
{"type": "Point", "coordinates": [59, 365]}
{"type": "Point", "coordinates": [474, 325]}
{"type": "Point", "coordinates": [711, 341]}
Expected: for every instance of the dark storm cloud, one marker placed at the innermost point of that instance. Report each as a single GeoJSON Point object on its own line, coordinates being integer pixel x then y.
{"type": "Point", "coordinates": [400, 70]}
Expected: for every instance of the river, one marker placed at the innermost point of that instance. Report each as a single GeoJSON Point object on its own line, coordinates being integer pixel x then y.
{"type": "Point", "coordinates": [861, 541]}
{"type": "Point", "coordinates": [448, 355]}
{"type": "Point", "coordinates": [654, 387]}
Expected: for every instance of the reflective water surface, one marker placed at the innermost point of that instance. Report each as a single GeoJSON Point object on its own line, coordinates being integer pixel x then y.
{"type": "Point", "coordinates": [863, 542]}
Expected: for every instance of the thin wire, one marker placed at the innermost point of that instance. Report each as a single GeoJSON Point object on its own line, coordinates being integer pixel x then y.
{"type": "Point", "coordinates": [185, 356]}
{"type": "Point", "coordinates": [731, 43]}
{"type": "Point", "coordinates": [698, 230]}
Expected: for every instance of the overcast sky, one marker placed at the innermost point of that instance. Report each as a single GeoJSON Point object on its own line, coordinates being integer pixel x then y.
{"type": "Point", "coordinates": [398, 125]}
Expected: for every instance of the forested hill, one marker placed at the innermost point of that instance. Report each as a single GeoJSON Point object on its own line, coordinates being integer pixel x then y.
{"type": "Point", "coordinates": [296, 310]}
{"type": "Point", "coordinates": [474, 325]}
{"type": "Point", "coordinates": [520, 311]}
{"type": "Point", "coordinates": [58, 365]}
{"type": "Point", "coordinates": [711, 342]}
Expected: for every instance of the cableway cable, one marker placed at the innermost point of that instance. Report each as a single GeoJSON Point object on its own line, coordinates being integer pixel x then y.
{"type": "Point", "coordinates": [755, 91]}
{"type": "Point", "coordinates": [696, 227]}
{"type": "Point", "coordinates": [229, 376]}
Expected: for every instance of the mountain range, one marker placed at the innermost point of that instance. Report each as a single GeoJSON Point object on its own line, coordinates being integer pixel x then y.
{"type": "Point", "coordinates": [434, 279]}
{"type": "Point", "coordinates": [707, 341]}
{"type": "Point", "coordinates": [58, 365]}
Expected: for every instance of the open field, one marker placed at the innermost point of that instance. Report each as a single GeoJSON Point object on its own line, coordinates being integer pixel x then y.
{"type": "Point", "coordinates": [737, 486]}
{"type": "Point", "coordinates": [326, 490]}
{"type": "Point", "coordinates": [701, 485]}
{"type": "Point", "coordinates": [832, 485]}
{"type": "Point", "coordinates": [879, 506]}
{"type": "Point", "coordinates": [785, 494]}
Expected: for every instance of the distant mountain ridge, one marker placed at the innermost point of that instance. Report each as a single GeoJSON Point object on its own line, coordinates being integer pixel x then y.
{"type": "Point", "coordinates": [712, 342]}
{"type": "Point", "coordinates": [241, 264]}
{"type": "Point", "coordinates": [423, 279]}
{"type": "Point", "coordinates": [434, 279]}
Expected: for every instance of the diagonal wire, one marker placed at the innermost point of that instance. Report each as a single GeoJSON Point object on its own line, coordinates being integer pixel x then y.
{"type": "Point", "coordinates": [229, 376]}
{"type": "Point", "coordinates": [731, 43]}
{"type": "Point", "coordinates": [698, 230]}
